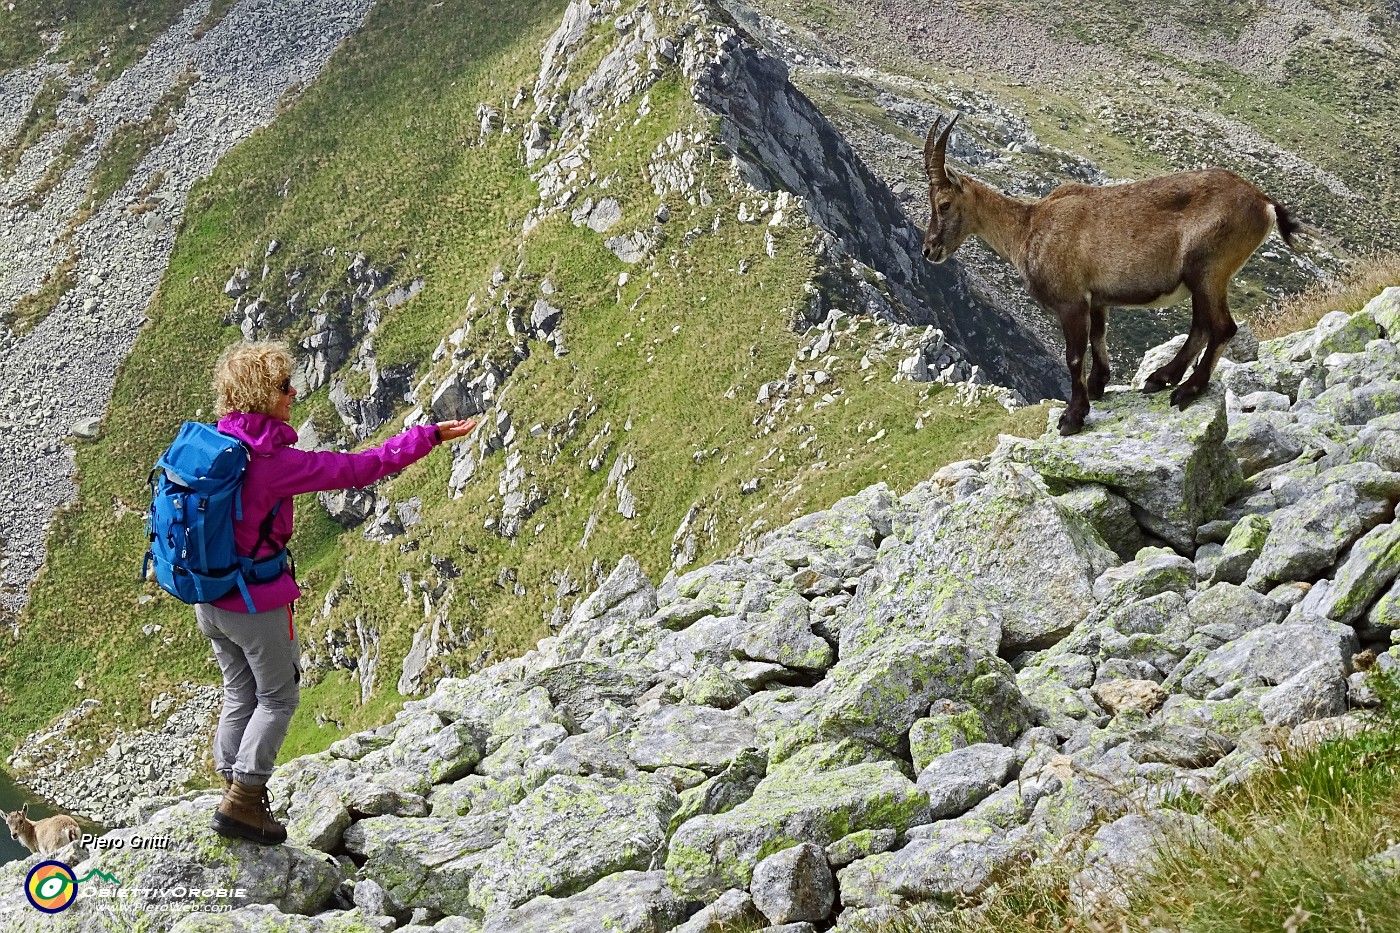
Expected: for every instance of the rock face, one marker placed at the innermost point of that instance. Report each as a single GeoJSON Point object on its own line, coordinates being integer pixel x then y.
{"type": "Point", "coordinates": [775, 131]}
{"type": "Point", "coordinates": [838, 703]}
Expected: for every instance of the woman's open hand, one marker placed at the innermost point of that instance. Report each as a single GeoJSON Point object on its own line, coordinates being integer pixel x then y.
{"type": "Point", "coordinates": [451, 430]}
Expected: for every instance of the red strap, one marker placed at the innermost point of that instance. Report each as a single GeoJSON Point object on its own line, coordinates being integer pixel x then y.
{"type": "Point", "coordinates": [291, 632]}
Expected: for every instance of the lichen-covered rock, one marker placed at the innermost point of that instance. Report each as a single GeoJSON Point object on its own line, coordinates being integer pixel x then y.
{"type": "Point", "coordinates": [1384, 309]}
{"type": "Point", "coordinates": [878, 696]}
{"type": "Point", "coordinates": [1370, 567]}
{"type": "Point", "coordinates": [949, 726]}
{"type": "Point", "coordinates": [956, 859]}
{"type": "Point", "coordinates": [1318, 691]}
{"type": "Point", "coordinates": [1151, 572]}
{"type": "Point", "coordinates": [733, 908]}
{"type": "Point", "coordinates": [570, 833]}
{"type": "Point", "coordinates": [577, 688]}
{"type": "Point", "coordinates": [1340, 332]}
{"type": "Point", "coordinates": [1240, 550]}
{"type": "Point", "coordinates": [1008, 567]}
{"type": "Point", "coordinates": [1306, 537]}
{"type": "Point", "coordinates": [961, 779]}
{"type": "Point", "coordinates": [288, 877]}
{"type": "Point", "coordinates": [1271, 654]}
{"type": "Point", "coordinates": [613, 619]}
{"type": "Point", "coordinates": [426, 862]}
{"type": "Point", "coordinates": [626, 902]}
{"type": "Point", "coordinates": [1234, 609]}
{"type": "Point", "coordinates": [1107, 513]}
{"type": "Point", "coordinates": [476, 794]}
{"type": "Point", "coordinates": [699, 737]}
{"type": "Point", "coordinates": [782, 634]}
{"type": "Point", "coordinates": [725, 790]}
{"type": "Point", "coordinates": [858, 845]}
{"type": "Point", "coordinates": [1261, 439]}
{"type": "Point", "coordinates": [320, 825]}
{"type": "Point", "coordinates": [1173, 466]}
{"type": "Point", "coordinates": [441, 753]}
{"type": "Point", "coordinates": [794, 885]}
{"type": "Point", "coordinates": [710, 854]}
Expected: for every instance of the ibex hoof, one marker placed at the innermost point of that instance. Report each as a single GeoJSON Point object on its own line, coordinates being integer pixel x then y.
{"type": "Point", "coordinates": [1070, 425]}
{"type": "Point", "coordinates": [1184, 396]}
{"type": "Point", "coordinates": [1152, 386]}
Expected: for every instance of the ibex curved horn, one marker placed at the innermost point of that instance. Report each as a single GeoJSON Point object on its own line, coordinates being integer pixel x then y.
{"type": "Point", "coordinates": [936, 150]}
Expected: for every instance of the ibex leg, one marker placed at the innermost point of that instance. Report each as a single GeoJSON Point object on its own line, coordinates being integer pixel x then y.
{"type": "Point", "coordinates": [1210, 305]}
{"type": "Point", "coordinates": [1099, 373]}
{"type": "Point", "coordinates": [1074, 319]}
{"type": "Point", "coordinates": [1170, 374]}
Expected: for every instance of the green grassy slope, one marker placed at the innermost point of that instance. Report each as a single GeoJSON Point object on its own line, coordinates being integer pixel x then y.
{"type": "Point", "coordinates": [381, 156]}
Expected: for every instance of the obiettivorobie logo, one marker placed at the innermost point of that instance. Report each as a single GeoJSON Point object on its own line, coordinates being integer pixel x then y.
{"type": "Point", "coordinates": [52, 886]}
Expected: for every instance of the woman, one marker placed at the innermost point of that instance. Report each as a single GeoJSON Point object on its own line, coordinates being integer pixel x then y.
{"type": "Point", "coordinates": [257, 651]}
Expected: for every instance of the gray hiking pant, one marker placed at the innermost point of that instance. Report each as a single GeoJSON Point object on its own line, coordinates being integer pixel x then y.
{"type": "Point", "coordinates": [259, 657]}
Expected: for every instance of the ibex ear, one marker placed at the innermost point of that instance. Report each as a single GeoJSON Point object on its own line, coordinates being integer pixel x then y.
{"type": "Point", "coordinates": [24, 810]}
{"type": "Point", "coordinates": [954, 179]}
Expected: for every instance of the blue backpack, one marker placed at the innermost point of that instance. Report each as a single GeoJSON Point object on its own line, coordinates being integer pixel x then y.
{"type": "Point", "coordinates": [196, 493]}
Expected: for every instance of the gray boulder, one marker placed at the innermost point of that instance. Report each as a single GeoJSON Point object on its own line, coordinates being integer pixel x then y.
{"type": "Point", "coordinates": [1306, 537]}
{"type": "Point", "coordinates": [794, 885]}
{"type": "Point", "coordinates": [711, 854]}
{"type": "Point", "coordinates": [1370, 567]}
{"type": "Point", "coordinates": [877, 697]}
{"type": "Point", "coordinates": [626, 902]}
{"type": "Point", "coordinates": [699, 737]}
{"type": "Point", "coordinates": [1318, 691]}
{"type": "Point", "coordinates": [1173, 466]}
{"type": "Point", "coordinates": [571, 833]}
{"type": "Point", "coordinates": [1271, 654]}
{"type": "Point", "coordinates": [1007, 567]}
{"type": "Point", "coordinates": [611, 620]}
{"type": "Point", "coordinates": [959, 780]}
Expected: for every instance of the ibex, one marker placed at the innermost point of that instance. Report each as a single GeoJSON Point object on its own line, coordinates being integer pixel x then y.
{"type": "Point", "coordinates": [1083, 249]}
{"type": "Point", "coordinates": [45, 836]}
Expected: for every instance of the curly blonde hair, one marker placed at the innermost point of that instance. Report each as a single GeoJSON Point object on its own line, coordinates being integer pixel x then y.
{"type": "Point", "coordinates": [249, 376]}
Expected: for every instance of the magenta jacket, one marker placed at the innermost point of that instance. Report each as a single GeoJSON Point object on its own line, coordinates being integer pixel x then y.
{"type": "Point", "coordinates": [277, 470]}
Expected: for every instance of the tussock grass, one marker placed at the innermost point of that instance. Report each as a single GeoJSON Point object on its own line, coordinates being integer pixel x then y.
{"type": "Point", "coordinates": [132, 142]}
{"type": "Point", "coordinates": [41, 117]}
{"type": "Point", "coordinates": [1297, 834]}
{"type": "Point", "coordinates": [106, 34]}
{"type": "Point", "coordinates": [67, 155]}
{"type": "Point", "coordinates": [1361, 281]}
{"type": "Point", "coordinates": [30, 310]}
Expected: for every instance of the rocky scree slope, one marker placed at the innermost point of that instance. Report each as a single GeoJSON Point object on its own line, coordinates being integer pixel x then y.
{"type": "Point", "coordinates": [889, 702]}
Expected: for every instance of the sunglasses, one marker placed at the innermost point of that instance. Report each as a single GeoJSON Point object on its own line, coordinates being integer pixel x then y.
{"type": "Point", "coordinates": [286, 386]}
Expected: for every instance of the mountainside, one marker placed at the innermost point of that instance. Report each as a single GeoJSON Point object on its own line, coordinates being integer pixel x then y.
{"type": "Point", "coordinates": [665, 359]}
{"type": "Point", "coordinates": [667, 253]}
{"type": "Point", "coordinates": [980, 692]}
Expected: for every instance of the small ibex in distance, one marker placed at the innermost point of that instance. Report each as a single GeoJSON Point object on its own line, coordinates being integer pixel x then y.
{"type": "Point", "coordinates": [45, 836]}
{"type": "Point", "coordinates": [1083, 249]}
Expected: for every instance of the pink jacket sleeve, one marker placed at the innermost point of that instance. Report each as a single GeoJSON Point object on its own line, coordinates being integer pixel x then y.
{"type": "Point", "coordinates": [300, 471]}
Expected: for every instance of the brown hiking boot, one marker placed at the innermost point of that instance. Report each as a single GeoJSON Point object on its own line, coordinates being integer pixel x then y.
{"type": "Point", "coordinates": [245, 812]}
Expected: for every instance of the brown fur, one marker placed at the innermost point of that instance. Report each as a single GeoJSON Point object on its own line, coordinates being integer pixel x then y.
{"type": "Point", "coordinates": [46, 835]}
{"type": "Point", "coordinates": [1084, 249]}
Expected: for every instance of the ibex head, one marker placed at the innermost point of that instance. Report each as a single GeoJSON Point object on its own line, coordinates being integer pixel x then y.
{"type": "Point", "coordinates": [17, 821]}
{"type": "Point", "coordinates": [947, 227]}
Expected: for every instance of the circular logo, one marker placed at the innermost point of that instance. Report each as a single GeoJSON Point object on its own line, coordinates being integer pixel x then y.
{"type": "Point", "coordinates": [51, 887]}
